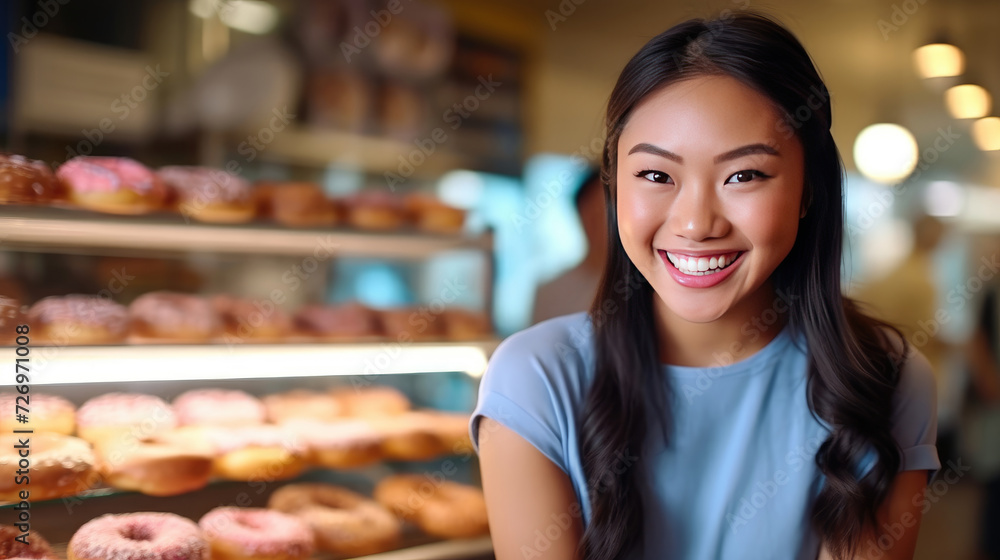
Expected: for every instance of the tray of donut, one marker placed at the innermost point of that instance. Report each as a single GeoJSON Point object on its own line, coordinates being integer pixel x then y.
{"type": "Point", "coordinates": [220, 474]}
{"type": "Point", "coordinates": [123, 186]}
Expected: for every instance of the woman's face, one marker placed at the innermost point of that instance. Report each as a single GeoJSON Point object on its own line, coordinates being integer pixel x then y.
{"type": "Point", "coordinates": [709, 197]}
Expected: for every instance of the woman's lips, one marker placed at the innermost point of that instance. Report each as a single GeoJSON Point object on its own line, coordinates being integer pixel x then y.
{"type": "Point", "coordinates": [686, 274]}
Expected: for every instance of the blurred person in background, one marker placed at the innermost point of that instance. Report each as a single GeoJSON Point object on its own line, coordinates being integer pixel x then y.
{"type": "Point", "coordinates": [983, 419]}
{"type": "Point", "coordinates": [574, 290]}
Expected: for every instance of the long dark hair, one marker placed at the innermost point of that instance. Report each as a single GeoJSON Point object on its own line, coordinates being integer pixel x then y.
{"type": "Point", "coordinates": [853, 365]}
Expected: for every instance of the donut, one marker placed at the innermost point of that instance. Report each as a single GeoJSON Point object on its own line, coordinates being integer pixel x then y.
{"type": "Point", "coordinates": [346, 444]}
{"type": "Point", "coordinates": [246, 320]}
{"type": "Point", "coordinates": [33, 546]}
{"type": "Point", "coordinates": [27, 181]}
{"type": "Point", "coordinates": [339, 99]}
{"type": "Point", "coordinates": [402, 111]}
{"type": "Point", "coordinates": [77, 320]}
{"type": "Point", "coordinates": [114, 414]}
{"type": "Point", "coordinates": [248, 453]}
{"type": "Point", "coordinates": [407, 437]}
{"type": "Point", "coordinates": [152, 467]}
{"type": "Point", "coordinates": [301, 403]}
{"type": "Point", "coordinates": [375, 211]}
{"type": "Point", "coordinates": [256, 534]}
{"type": "Point", "coordinates": [59, 466]}
{"type": "Point", "coordinates": [11, 315]}
{"type": "Point", "coordinates": [173, 317]}
{"type": "Point", "coordinates": [452, 431]}
{"type": "Point", "coordinates": [48, 413]}
{"type": "Point", "coordinates": [113, 185]}
{"type": "Point", "coordinates": [348, 322]}
{"type": "Point", "coordinates": [440, 508]}
{"type": "Point", "coordinates": [410, 324]}
{"type": "Point", "coordinates": [296, 204]}
{"type": "Point", "coordinates": [138, 536]}
{"type": "Point", "coordinates": [209, 195]}
{"type": "Point", "coordinates": [463, 325]}
{"type": "Point", "coordinates": [218, 407]}
{"type": "Point", "coordinates": [431, 215]}
{"type": "Point", "coordinates": [379, 400]}
{"type": "Point", "coordinates": [344, 522]}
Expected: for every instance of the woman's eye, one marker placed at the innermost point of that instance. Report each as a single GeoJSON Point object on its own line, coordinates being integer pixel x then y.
{"type": "Point", "coordinates": [654, 176]}
{"type": "Point", "coordinates": [745, 176]}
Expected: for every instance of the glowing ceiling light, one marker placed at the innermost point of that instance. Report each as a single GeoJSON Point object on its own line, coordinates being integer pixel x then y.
{"type": "Point", "coordinates": [986, 133]}
{"type": "Point", "coordinates": [938, 60]}
{"type": "Point", "coordinates": [885, 153]}
{"type": "Point", "coordinates": [968, 101]}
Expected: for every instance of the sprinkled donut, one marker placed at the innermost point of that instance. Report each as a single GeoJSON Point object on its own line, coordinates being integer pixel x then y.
{"type": "Point", "coordinates": [113, 185]}
{"type": "Point", "coordinates": [344, 521]}
{"type": "Point", "coordinates": [256, 534]}
{"type": "Point", "coordinates": [209, 195]}
{"type": "Point", "coordinates": [138, 536]}
{"type": "Point", "coordinates": [37, 547]}
{"type": "Point", "coordinates": [345, 444]}
{"type": "Point", "coordinates": [114, 414]}
{"type": "Point", "coordinates": [218, 407]}
{"type": "Point", "coordinates": [173, 317]}
{"type": "Point", "coordinates": [77, 319]}
{"type": "Point", "coordinates": [49, 413]}
{"type": "Point", "coordinates": [59, 466]}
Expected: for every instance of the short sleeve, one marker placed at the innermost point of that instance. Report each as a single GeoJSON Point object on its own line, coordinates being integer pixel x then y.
{"type": "Point", "coordinates": [517, 392]}
{"type": "Point", "coordinates": [914, 421]}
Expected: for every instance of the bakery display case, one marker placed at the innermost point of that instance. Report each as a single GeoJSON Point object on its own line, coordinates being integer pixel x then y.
{"type": "Point", "coordinates": [427, 371]}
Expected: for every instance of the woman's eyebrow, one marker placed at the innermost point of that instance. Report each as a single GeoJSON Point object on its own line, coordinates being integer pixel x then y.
{"type": "Point", "coordinates": [747, 150]}
{"type": "Point", "coordinates": [736, 153]}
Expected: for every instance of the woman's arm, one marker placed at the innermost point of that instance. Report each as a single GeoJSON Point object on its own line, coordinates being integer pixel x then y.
{"type": "Point", "coordinates": [898, 519]}
{"type": "Point", "coordinates": [533, 510]}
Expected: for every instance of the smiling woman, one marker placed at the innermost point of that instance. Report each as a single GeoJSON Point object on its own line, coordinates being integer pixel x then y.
{"type": "Point", "coordinates": [721, 399]}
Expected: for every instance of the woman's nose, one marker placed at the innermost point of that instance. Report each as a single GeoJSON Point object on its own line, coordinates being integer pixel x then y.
{"type": "Point", "coordinates": [695, 214]}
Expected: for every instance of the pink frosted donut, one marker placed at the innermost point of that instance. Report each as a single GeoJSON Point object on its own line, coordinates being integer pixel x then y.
{"type": "Point", "coordinates": [336, 323]}
{"type": "Point", "coordinates": [49, 413]}
{"type": "Point", "coordinates": [116, 185]}
{"type": "Point", "coordinates": [138, 536]}
{"type": "Point", "coordinates": [209, 195]}
{"type": "Point", "coordinates": [115, 414]}
{"type": "Point", "coordinates": [77, 319]}
{"type": "Point", "coordinates": [168, 316]}
{"type": "Point", "coordinates": [256, 533]}
{"type": "Point", "coordinates": [218, 407]}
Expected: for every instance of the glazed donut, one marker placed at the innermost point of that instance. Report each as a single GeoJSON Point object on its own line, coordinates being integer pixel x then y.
{"type": "Point", "coordinates": [252, 321]}
{"type": "Point", "coordinates": [256, 534]}
{"type": "Point", "coordinates": [114, 414]}
{"type": "Point", "coordinates": [114, 185]}
{"type": "Point", "coordinates": [349, 322]}
{"type": "Point", "coordinates": [431, 215]}
{"type": "Point", "coordinates": [452, 430]}
{"type": "Point", "coordinates": [11, 315]}
{"type": "Point", "coordinates": [59, 466]}
{"type": "Point", "coordinates": [248, 453]}
{"type": "Point", "coordinates": [463, 324]}
{"type": "Point", "coordinates": [343, 521]}
{"type": "Point", "coordinates": [380, 400]}
{"type": "Point", "coordinates": [138, 536]}
{"type": "Point", "coordinates": [173, 317]}
{"type": "Point", "coordinates": [77, 319]}
{"type": "Point", "coordinates": [346, 444]}
{"type": "Point", "coordinates": [218, 407]}
{"type": "Point", "coordinates": [301, 403]}
{"type": "Point", "coordinates": [375, 211]}
{"type": "Point", "coordinates": [407, 437]}
{"type": "Point", "coordinates": [152, 467]}
{"type": "Point", "coordinates": [409, 324]}
{"type": "Point", "coordinates": [296, 204]}
{"type": "Point", "coordinates": [440, 508]}
{"type": "Point", "coordinates": [49, 413]}
{"type": "Point", "coordinates": [33, 546]}
{"type": "Point", "coordinates": [209, 195]}
{"type": "Point", "coordinates": [27, 181]}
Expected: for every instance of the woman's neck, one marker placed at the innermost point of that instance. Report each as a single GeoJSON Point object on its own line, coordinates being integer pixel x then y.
{"type": "Point", "coordinates": [740, 333]}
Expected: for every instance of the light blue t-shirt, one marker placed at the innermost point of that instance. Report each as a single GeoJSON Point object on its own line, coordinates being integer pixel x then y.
{"type": "Point", "coordinates": [739, 476]}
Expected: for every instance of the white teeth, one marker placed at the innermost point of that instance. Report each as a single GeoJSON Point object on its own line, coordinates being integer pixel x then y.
{"type": "Point", "coordinates": [700, 266]}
